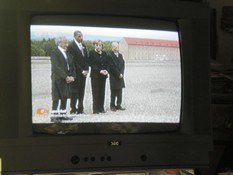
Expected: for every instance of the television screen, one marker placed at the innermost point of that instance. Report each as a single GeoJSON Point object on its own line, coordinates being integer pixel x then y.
{"type": "Point", "coordinates": [139, 93]}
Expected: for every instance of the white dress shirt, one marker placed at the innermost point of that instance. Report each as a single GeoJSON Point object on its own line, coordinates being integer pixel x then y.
{"type": "Point", "coordinates": [63, 51]}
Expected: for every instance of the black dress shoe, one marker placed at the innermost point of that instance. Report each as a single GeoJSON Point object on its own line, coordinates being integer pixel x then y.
{"type": "Point", "coordinates": [73, 111]}
{"type": "Point", "coordinates": [113, 108]}
{"type": "Point", "coordinates": [81, 112]}
{"type": "Point", "coordinates": [120, 108]}
{"type": "Point", "coordinates": [102, 111]}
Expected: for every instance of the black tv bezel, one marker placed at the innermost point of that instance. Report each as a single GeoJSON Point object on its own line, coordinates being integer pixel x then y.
{"type": "Point", "coordinates": [22, 151]}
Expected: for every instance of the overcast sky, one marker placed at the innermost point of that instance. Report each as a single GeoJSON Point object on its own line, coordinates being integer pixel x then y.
{"type": "Point", "coordinates": [104, 31]}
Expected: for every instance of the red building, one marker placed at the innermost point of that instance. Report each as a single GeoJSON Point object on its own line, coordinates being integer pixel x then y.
{"type": "Point", "coordinates": [141, 49]}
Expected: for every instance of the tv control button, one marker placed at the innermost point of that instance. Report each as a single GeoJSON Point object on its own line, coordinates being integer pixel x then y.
{"type": "Point", "coordinates": [109, 158]}
{"type": "Point", "coordinates": [102, 158]}
{"type": "Point", "coordinates": [92, 159]}
{"type": "Point", "coordinates": [85, 159]}
{"type": "Point", "coordinates": [143, 158]}
{"type": "Point", "coordinates": [74, 160]}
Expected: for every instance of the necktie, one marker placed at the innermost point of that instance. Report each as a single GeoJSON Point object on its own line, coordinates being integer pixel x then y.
{"type": "Point", "coordinates": [81, 48]}
{"type": "Point", "coordinates": [117, 58]}
{"type": "Point", "coordinates": [67, 61]}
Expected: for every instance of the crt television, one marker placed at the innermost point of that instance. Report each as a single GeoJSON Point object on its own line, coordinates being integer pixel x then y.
{"type": "Point", "coordinates": [166, 123]}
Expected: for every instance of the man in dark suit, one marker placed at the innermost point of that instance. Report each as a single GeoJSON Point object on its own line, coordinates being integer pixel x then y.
{"type": "Point", "coordinates": [79, 51]}
{"type": "Point", "coordinates": [117, 68]}
{"type": "Point", "coordinates": [63, 74]}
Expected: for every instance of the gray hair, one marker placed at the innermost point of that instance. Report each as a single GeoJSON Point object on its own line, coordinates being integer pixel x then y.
{"type": "Point", "coordinates": [115, 43]}
{"type": "Point", "coordinates": [59, 40]}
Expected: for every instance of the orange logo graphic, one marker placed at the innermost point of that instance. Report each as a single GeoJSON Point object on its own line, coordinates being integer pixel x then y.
{"type": "Point", "coordinates": [42, 111]}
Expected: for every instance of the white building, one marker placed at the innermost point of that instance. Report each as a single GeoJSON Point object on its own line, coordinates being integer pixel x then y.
{"type": "Point", "coordinates": [140, 49]}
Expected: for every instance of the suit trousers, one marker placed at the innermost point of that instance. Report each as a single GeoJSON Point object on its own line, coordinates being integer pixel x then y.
{"type": "Point", "coordinates": [78, 95]}
{"type": "Point", "coordinates": [55, 104]}
{"type": "Point", "coordinates": [116, 97]}
{"type": "Point", "coordinates": [98, 94]}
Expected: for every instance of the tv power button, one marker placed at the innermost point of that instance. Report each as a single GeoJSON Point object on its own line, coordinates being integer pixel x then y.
{"type": "Point", "coordinates": [74, 160]}
{"type": "Point", "coordinates": [143, 158]}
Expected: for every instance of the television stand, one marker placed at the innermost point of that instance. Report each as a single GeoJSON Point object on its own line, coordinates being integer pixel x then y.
{"type": "Point", "coordinates": [222, 116]}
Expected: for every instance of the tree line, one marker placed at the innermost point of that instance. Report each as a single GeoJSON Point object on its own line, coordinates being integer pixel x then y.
{"type": "Point", "coordinates": [44, 47]}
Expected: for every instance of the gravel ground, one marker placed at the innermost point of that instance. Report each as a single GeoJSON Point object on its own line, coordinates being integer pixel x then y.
{"type": "Point", "coordinates": [152, 94]}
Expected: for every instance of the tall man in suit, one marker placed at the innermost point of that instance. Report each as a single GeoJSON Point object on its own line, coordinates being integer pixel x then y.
{"type": "Point", "coordinates": [63, 74]}
{"type": "Point", "coordinates": [117, 68]}
{"type": "Point", "coordinates": [79, 51]}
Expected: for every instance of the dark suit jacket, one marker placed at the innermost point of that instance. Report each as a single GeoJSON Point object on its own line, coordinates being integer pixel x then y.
{"type": "Point", "coordinates": [98, 62]}
{"type": "Point", "coordinates": [117, 67]}
{"type": "Point", "coordinates": [80, 61]}
{"type": "Point", "coordinates": [60, 71]}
